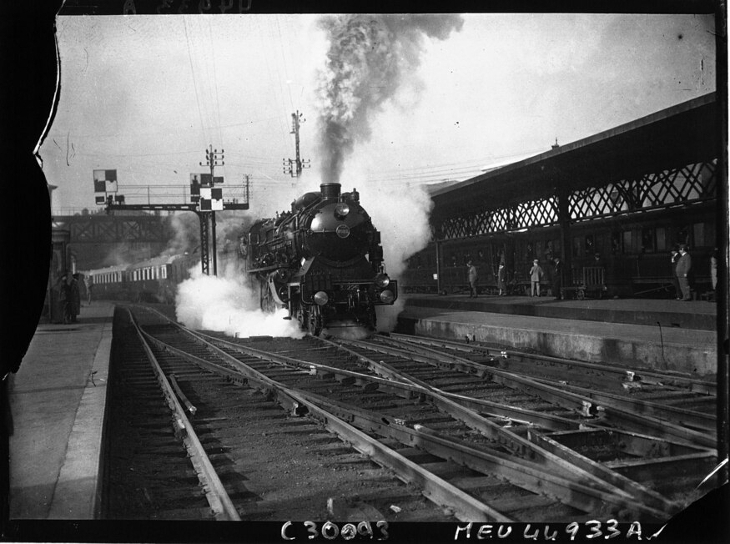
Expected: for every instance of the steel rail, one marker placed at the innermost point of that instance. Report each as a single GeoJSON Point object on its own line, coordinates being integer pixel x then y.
{"type": "Point", "coordinates": [218, 499]}
{"type": "Point", "coordinates": [573, 485]}
{"type": "Point", "coordinates": [579, 470]}
{"type": "Point", "coordinates": [506, 356]}
{"type": "Point", "coordinates": [466, 507]}
{"type": "Point", "coordinates": [514, 414]}
{"type": "Point", "coordinates": [682, 416]}
{"type": "Point", "coordinates": [608, 412]}
{"type": "Point", "coordinates": [598, 475]}
{"type": "Point", "coordinates": [580, 494]}
{"type": "Point", "coordinates": [519, 445]}
{"type": "Point", "coordinates": [436, 489]}
{"type": "Point", "coordinates": [569, 455]}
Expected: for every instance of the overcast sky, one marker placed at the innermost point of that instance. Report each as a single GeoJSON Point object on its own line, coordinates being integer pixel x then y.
{"type": "Point", "coordinates": [146, 95]}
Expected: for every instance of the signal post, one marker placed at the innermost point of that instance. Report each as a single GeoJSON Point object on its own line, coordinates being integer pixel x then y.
{"type": "Point", "coordinates": [205, 199]}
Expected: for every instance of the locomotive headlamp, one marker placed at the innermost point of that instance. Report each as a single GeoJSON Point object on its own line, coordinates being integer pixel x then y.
{"type": "Point", "coordinates": [382, 280]}
{"type": "Point", "coordinates": [387, 296]}
{"type": "Point", "coordinates": [321, 298]}
{"type": "Point", "coordinates": [341, 210]}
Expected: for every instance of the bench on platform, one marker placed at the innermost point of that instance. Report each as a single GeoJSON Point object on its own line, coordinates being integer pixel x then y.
{"type": "Point", "coordinates": [590, 281]}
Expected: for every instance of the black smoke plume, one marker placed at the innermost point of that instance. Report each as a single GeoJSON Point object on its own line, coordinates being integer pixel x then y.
{"type": "Point", "coordinates": [369, 56]}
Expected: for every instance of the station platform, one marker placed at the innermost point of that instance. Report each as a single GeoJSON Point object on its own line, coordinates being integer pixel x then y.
{"type": "Point", "coordinates": [647, 333]}
{"type": "Point", "coordinates": [57, 404]}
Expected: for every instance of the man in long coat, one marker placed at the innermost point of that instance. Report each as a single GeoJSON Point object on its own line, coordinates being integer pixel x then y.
{"type": "Point", "coordinates": [684, 266]}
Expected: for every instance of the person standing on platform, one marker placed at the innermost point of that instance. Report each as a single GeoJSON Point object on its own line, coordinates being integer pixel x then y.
{"type": "Point", "coordinates": [713, 268]}
{"type": "Point", "coordinates": [64, 294]}
{"type": "Point", "coordinates": [557, 286]}
{"type": "Point", "coordinates": [535, 277]}
{"type": "Point", "coordinates": [684, 267]}
{"type": "Point", "coordinates": [473, 275]}
{"type": "Point", "coordinates": [501, 280]}
{"type": "Point", "coordinates": [675, 279]}
{"type": "Point", "coordinates": [75, 300]}
{"type": "Point", "coordinates": [89, 282]}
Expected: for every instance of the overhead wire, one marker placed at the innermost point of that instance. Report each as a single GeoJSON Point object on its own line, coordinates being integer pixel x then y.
{"type": "Point", "coordinates": [192, 73]}
{"type": "Point", "coordinates": [215, 83]}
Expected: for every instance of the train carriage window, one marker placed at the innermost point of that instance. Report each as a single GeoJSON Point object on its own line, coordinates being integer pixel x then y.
{"type": "Point", "coordinates": [710, 235]}
{"type": "Point", "coordinates": [647, 240]}
{"type": "Point", "coordinates": [590, 246]}
{"type": "Point", "coordinates": [661, 238]}
{"type": "Point", "coordinates": [616, 243]}
{"type": "Point", "coordinates": [549, 250]}
{"type": "Point", "coordinates": [555, 247]}
{"type": "Point", "coordinates": [683, 236]}
{"type": "Point", "coordinates": [698, 232]}
{"type": "Point", "coordinates": [626, 246]}
{"type": "Point", "coordinates": [577, 246]}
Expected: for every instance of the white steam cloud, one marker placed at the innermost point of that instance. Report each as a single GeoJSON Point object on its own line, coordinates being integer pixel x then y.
{"type": "Point", "coordinates": [227, 304]}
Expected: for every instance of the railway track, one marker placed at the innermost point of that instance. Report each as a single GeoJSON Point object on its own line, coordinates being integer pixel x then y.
{"type": "Point", "coordinates": [271, 463]}
{"type": "Point", "coordinates": [644, 440]}
{"type": "Point", "coordinates": [594, 386]}
{"type": "Point", "coordinates": [481, 443]}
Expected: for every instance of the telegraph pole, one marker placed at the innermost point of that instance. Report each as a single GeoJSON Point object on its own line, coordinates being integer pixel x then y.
{"type": "Point", "coordinates": [294, 167]}
{"type": "Point", "coordinates": [213, 158]}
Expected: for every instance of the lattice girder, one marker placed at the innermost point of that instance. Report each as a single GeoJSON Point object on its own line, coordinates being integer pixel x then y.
{"type": "Point", "coordinates": [692, 182]}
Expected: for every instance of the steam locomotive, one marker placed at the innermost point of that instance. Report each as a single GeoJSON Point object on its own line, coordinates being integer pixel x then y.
{"type": "Point", "coordinates": [322, 261]}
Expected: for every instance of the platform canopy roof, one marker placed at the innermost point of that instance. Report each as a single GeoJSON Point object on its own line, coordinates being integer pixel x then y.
{"type": "Point", "coordinates": [683, 134]}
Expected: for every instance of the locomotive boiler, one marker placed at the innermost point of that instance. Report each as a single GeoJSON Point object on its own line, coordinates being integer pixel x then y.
{"type": "Point", "coordinates": [322, 261]}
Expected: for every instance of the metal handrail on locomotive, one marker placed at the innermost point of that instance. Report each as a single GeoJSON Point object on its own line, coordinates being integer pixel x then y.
{"type": "Point", "coordinates": [322, 261]}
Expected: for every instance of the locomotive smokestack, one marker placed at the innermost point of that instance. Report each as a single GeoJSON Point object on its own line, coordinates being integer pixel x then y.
{"type": "Point", "coordinates": [330, 191]}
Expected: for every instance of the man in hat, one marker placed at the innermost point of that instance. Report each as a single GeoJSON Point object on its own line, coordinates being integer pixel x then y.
{"type": "Point", "coordinates": [535, 277]}
{"type": "Point", "coordinates": [558, 279]}
{"type": "Point", "coordinates": [684, 266]}
{"type": "Point", "coordinates": [473, 276]}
